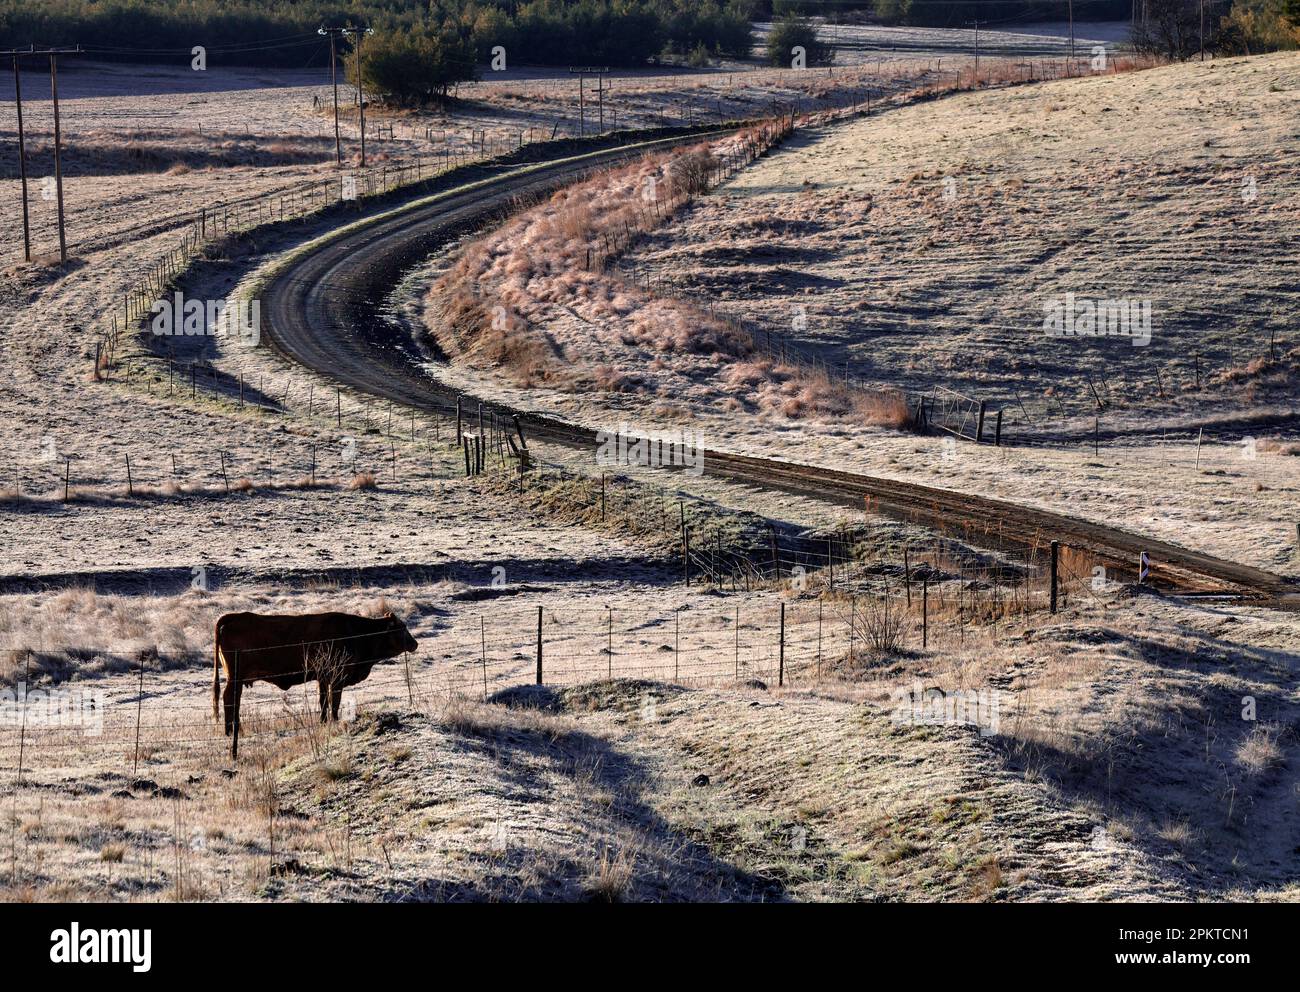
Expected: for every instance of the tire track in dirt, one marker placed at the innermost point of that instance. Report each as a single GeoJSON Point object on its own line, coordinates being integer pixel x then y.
{"type": "Point", "coordinates": [323, 309]}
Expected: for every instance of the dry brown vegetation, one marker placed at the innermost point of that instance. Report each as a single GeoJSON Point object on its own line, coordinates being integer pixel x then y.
{"type": "Point", "coordinates": [535, 302]}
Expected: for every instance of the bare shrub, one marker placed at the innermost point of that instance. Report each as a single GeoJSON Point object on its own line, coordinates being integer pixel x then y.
{"type": "Point", "coordinates": [882, 622]}
{"type": "Point", "coordinates": [689, 172]}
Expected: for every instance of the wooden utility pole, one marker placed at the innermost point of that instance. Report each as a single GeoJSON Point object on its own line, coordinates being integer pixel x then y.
{"type": "Point", "coordinates": [52, 54]}
{"type": "Point", "coordinates": [58, 165]}
{"type": "Point", "coordinates": [582, 72]}
{"type": "Point", "coordinates": [333, 34]}
{"type": "Point", "coordinates": [977, 48]}
{"type": "Point", "coordinates": [358, 34]}
{"type": "Point", "coordinates": [22, 161]}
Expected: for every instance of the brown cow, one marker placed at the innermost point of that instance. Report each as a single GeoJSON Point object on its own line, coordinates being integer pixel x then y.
{"type": "Point", "coordinates": [336, 649]}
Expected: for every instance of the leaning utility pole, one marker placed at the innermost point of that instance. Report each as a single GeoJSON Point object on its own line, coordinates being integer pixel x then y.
{"type": "Point", "coordinates": [334, 82]}
{"type": "Point", "coordinates": [1071, 6]}
{"type": "Point", "coordinates": [22, 162]}
{"type": "Point", "coordinates": [1202, 30]}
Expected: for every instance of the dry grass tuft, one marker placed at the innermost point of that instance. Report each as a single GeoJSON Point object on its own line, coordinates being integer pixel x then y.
{"type": "Point", "coordinates": [1259, 750]}
{"type": "Point", "coordinates": [612, 877]}
{"type": "Point", "coordinates": [363, 480]}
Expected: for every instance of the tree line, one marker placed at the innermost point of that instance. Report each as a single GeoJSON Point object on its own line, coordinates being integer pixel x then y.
{"type": "Point", "coordinates": [282, 33]}
{"type": "Point", "coordinates": [421, 48]}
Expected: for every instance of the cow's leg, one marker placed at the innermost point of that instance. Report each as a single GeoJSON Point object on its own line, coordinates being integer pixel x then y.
{"type": "Point", "coordinates": [324, 702]}
{"type": "Point", "coordinates": [228, 705]}
{"type": "Point", "coordinates": [336, 697]}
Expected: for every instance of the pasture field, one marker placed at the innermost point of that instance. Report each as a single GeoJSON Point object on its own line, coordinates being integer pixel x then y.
{"type": "Point", "coordinates": [904, 718]}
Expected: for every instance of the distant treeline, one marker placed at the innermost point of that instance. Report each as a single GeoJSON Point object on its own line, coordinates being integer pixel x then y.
{"type": "Point", "coordinates": [282, 33]}
{"type": "Point", "coordinates": [1000, 15]}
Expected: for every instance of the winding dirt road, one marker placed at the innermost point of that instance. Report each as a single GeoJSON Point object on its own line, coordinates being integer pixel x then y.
{"type": "Point", "coordinates": [322, 307]}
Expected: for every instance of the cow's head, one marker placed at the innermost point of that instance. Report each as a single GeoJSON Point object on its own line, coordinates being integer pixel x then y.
{"type": "Point", "coordinates": [399, 638]}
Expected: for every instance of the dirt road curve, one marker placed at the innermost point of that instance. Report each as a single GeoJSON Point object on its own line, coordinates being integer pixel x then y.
{"type": "Point", "coordinates": [322, 309]}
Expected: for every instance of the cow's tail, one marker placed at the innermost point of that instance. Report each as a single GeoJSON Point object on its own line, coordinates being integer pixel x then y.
{"type": "Point", "coordinates": [216, 670]}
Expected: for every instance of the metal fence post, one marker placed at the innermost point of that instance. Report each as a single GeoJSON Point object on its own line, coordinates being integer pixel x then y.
{"type": "Point", "coordinates": [1056, 550]}
{"type": "Point", "coordinates": [539, 645]}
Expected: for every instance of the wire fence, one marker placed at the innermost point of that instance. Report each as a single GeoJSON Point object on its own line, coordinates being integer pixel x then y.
{"type": "Point", "coordinates": [797, 639]}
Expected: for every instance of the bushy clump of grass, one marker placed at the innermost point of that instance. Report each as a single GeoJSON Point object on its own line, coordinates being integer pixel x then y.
{"type": "Point", "coordinates": [1259, 751]}
{"type": "Point", "coordinates": [363, 480]}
